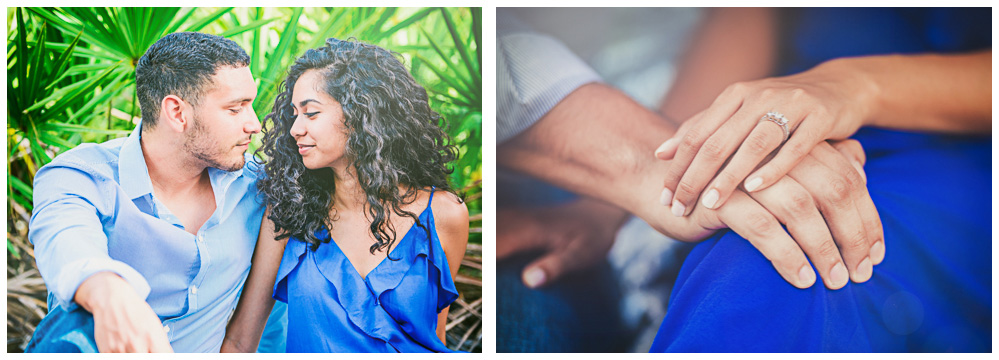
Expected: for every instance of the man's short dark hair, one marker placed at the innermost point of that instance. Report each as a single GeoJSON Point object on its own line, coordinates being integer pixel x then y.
{"type": "Point", "coordinates": [182, 64]}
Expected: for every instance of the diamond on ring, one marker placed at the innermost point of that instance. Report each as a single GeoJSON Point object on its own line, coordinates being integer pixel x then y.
{"type": "Point", "coordinates": [779, 119]}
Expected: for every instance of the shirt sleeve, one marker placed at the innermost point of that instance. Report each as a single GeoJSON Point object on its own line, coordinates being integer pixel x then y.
{"type": "Point", "coordinates": [534, 72]}
{"type": "Point", "coordinates": [68, 234]}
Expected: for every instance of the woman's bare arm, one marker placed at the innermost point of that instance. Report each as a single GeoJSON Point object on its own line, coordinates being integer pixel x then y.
{"type": "Point", "coordinates": [452, 230]}
{"type": "Point", "coordinates": [247, 323]}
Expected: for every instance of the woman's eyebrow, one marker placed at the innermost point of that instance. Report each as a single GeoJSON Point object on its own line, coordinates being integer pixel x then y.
{"type": "Point", "coordinates": [306, 101]}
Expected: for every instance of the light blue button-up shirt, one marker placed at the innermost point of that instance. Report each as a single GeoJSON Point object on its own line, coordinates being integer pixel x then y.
{"type": "Point", "coordinates": [534, 72]}
{"type": "Point", "coordinates": [94, 210]}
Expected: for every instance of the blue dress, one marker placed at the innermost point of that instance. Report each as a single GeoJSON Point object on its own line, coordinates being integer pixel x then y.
{"type": "Point", "coordinates": [394, 309]}
{"type": "Point", "coordinates": [932, 293]}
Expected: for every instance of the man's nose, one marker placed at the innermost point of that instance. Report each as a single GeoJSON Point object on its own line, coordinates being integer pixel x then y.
{"type": "Point", "coordinates": [252, 125]}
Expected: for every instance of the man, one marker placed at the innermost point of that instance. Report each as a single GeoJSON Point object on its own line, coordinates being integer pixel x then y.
{"type": "Point", "coordinates": [153, 234]}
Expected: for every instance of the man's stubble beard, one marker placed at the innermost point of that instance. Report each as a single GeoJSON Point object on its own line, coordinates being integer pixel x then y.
{"type": "Point", "coordinates": [201, 147]}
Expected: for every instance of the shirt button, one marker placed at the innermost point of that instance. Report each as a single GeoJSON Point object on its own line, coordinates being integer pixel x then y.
{"type": "Point", "coordinates": [201, 238]}
{"type": "Point", "coordinates": [194, 289]}
{"type": "Point", "coordinates": [166, 328]}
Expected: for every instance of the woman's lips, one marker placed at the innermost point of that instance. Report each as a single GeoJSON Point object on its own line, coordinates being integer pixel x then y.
{"type": "Point", "coordinates": [302, 149]}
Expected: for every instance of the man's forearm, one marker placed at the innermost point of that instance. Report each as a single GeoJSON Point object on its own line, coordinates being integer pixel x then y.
{"type": "Point", "coordinates": [597, 142]}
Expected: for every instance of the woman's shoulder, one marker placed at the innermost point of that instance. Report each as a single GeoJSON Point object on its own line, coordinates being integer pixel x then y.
{"type": "Point", "coordinates": [448, 207]}
{"type": "Point", "coordinates": [450, 219]}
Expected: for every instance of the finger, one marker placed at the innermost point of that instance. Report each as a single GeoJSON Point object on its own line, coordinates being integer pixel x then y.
{"type": "Point", "coordinates": [861, 197]}
{"type": "Point", "coordinates": [748, 218]}
{"type": "Point", "coordinates": [516, 234]}
{"type": "Point", "coordinates": [833, 189]}
{"type": "Point", "coordinates": [668, 148]}
{"type": "Point", "coordinates": [854, 152]}
{"type": "Point", "coordinates": [690, 140]}
{"type": "Point", "coordinates": [794, 207]}
{"type": "Point", "coordinates": [560, 262]}
{"type": "Point", "coordinates": [137, 347]}
{"type": "Point", "coordinates": [798, 145]}
{"type": "Point", "coordinates": [764, 138]}
{"type": "Point", "coordinates": [711, 157]}
{"type": "Point", "coordinates": [160, 344]}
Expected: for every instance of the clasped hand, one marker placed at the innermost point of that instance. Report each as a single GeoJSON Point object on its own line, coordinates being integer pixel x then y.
{"type": "Point", "coordinates": [825, 205]}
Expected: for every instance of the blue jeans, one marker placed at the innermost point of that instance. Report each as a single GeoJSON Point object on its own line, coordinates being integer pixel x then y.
{"type": "Point", "coordinates": [62, 331]}
{"type": "Point", "coordinates": [578, 313]}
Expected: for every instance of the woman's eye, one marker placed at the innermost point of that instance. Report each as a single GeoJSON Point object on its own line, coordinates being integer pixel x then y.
{"type": "Point", "coordinates": [311, 114]}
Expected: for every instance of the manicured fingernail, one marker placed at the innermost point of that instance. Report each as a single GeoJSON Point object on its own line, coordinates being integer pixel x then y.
{"type": "Point", "coordinates": [710, 199]}
{"type": "Point", "coordinates": [667, 145]}
{"type": "Point", "coordinates": [878, 252]}
{"type": "Point", "coordinates": [860, 169]}
{"type": "Point", "coordinates": [665, 197]}
{"type": "Point", "coordinates": [838, 276]}
{"type": "Point", "coordinates": [534, 277]}
{"type": "Point", "coordinates": [753, 183]}
{"type": "Point", "coordinates": [806, 277]}
{"type": "Point", "coordinates": [678, 208]}
{"type": "Point", "coordinates": [864, 271]}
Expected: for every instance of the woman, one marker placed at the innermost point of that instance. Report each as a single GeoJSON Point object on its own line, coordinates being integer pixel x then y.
{"type": "Point", "coordinates": [924, 74]}
{"type": "Point", "coordinates": [356, 157]}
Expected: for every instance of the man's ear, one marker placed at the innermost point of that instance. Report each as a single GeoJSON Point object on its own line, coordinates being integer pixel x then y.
{"type": "Point", "coordinates": [174, 113]}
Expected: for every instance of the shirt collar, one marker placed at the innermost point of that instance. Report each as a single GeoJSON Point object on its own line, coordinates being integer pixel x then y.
{"type": "Point", "coordinates": [133, 175]}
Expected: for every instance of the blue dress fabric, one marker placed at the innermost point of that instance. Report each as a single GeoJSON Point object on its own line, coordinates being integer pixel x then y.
{"type": "Point", "coordinates": [331, 308]}
{"type": "Point", "coordinates": [933, 291]}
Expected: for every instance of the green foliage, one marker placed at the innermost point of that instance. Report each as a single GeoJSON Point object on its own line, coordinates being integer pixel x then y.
{"type": "Point", "coordinates": [71, 79]}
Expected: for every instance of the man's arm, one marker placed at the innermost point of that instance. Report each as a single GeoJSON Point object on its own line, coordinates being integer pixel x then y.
{"type": "Point", "coordinates": [598, 142]}
{"type": "Point", "coordinates": [72, 255]}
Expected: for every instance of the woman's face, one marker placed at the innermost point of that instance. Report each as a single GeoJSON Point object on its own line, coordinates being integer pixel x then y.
{"type": "Point", "coordinates": [319, 127]}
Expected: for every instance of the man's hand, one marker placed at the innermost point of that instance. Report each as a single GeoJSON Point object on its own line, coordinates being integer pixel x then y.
{"type": "Point", "coordinates": [122, 321]}
{"type": "Point", "coordinates": [573, 236]}
{"type": "Point", "coordinates": [826, 208]}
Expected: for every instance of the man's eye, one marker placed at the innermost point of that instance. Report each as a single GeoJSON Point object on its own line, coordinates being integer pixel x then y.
{"type": "Point", "coordinates": [235, 110]}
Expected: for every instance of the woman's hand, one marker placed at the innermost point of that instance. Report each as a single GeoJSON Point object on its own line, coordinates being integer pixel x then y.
{"type": "Point", "coordinates": [829, 214]}
{"type": "Point", "coordinates": [742, 127]}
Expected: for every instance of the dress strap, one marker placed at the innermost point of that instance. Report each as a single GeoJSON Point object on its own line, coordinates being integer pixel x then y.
{"type": "Point", "coordinates": [431, 200]}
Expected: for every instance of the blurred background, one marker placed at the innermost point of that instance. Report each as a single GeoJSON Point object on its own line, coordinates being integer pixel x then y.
{"type": "Point", "coordinates": [618, 304]}
{"type": "Point", "coordinates": [71, 79]}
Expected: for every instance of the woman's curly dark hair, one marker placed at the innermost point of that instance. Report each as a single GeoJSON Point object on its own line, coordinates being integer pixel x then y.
{"type": "Point", "coordinates": [394, 138]}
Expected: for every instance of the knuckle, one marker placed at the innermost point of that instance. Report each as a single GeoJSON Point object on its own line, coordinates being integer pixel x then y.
{"type": "Point", "coordinates": [798, 150]}
{"type": "Point", "coordinates": [851, 177]}
{"type": "Point", "coordinates": [821, 111]}
{"type": "Point", "coordinates": [838, 192]}
{"type": "Point", "coordinates": [692, 139]}
{"type": "Point", "coordinates": [714, 150]}
{"type": "Point", "coordinates": [737, 88]}
{"type": "Point", "coordinates": [799, 204]}
{"type": "Point", "coordinates": [759, 223]}
{"type": "Point", "coordinates": [758, 144]}
{"type": "Point", "coordinates": [786, 254]}
{"type": "Point", "coordinates": [797, 93]}
{"type": "Point", "coordinates": [673, 177]}
{"type": "Point", "coordinates": [768, 92]}
{"type": "Point", "coordinates": [685, 188]}
{"type": "Point", "coordinates": [857, 240]}
{"type": "Point", "coordinates": [828, 249]}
